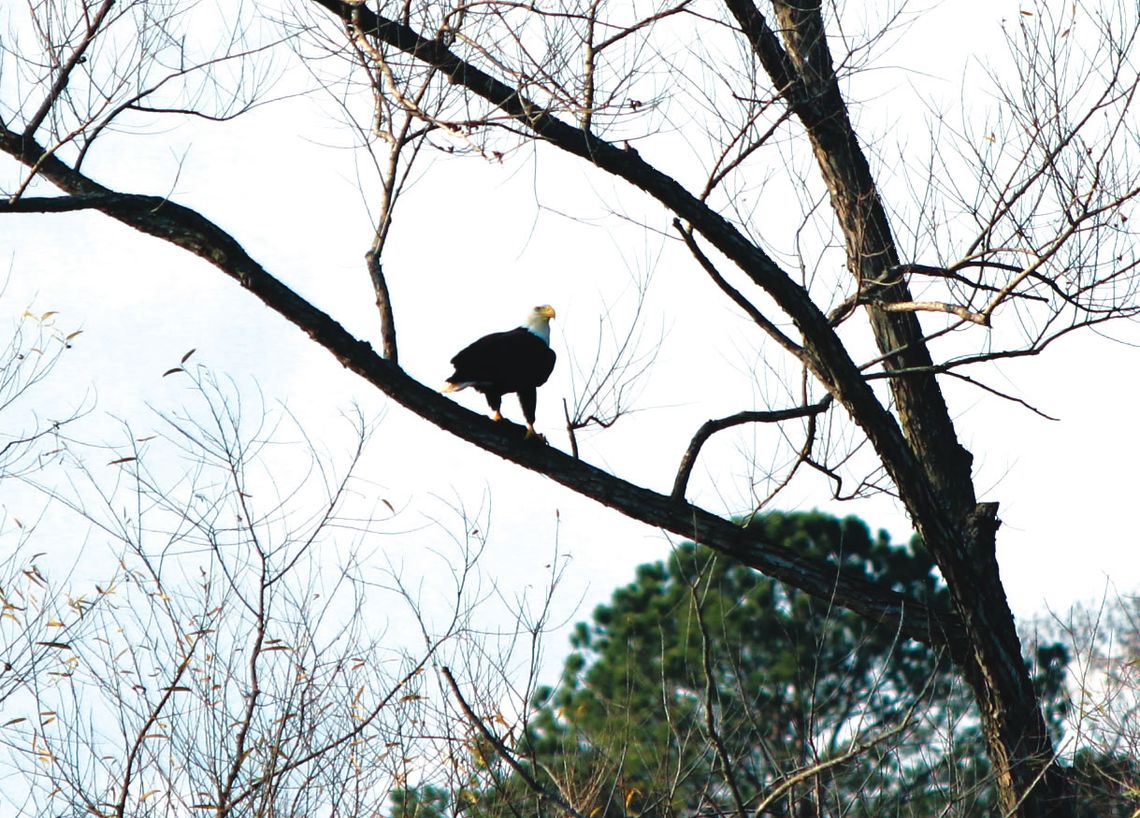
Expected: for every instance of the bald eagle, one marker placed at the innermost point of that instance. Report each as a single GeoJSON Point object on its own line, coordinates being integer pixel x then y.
{"type": "Point", "coordinates": [518, 360]}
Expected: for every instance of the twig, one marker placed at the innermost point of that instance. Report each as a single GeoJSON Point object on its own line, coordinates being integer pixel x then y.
{"type": "Point", "coordinates": [1037, 780]}
{"type": "Point", "coordinates": [625, 32]}
{"type": "Point", "coordinates": [77, 57]}
{"type": "Point", "coordinates": [803, 457]}
{"type": "Point", "coordinates": [570, 427]}
{"type": "Point", "coordinates": [815, 770]}
{"type": "Point", "coordinates": [144, 731]}
{"type": "Point", "coordinates": [998, 393]}
{"type": "Point", "coordinates": [255, 784]}
{"type": "Point", "coordinates": [588, 68]}
{"type": "Point", "coordinates": [847, 306]}
{"type": "Point", "coordinates": [506, 754]}
{"type": "Point", "coordinates": [710, 701]}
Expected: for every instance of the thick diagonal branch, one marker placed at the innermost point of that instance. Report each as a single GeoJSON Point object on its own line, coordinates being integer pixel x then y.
{"type": "Point", "coordinates": [190, 230]}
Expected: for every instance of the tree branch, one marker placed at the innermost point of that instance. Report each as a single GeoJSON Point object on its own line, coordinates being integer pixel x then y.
{"type": "Point", "coordinates": [735, 294]}
{"type": "Point", "coordinates": [59, 204]}
{"type": "Point", "coordinates": [711, 427]}
{"type": "Point", "coordinates": [712, 697]}
{"type": "Point", "coordinates": [854, 750]}
{"type": "Point", "coordinates": [934, 306]}
{"type": "Point", "coordinates": [64, 69]}
{"type": "Point", "coordinates": [803, 71]}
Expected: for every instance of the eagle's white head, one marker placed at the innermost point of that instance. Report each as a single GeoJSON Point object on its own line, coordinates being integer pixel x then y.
{"type": "Point", "coordinates": [538, 322]}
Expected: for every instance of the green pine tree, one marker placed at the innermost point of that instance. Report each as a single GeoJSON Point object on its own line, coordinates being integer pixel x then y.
{"type": "Point", "coordinates": [706, 675]}
{"type": "Point", "coordinates": [702, 687]}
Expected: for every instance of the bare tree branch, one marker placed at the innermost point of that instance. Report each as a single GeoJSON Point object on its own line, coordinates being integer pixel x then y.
{"type": "Point", "coordinates": [710, 704]}
{"type": "Point", "coordinates": [504, 753]}
{"type": "Point", "coordinates": [711, 427]}
{"type": "Point", "coordinates": [742, 302]}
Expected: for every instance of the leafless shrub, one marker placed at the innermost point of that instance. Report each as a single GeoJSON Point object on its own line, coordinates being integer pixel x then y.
{"type": "Point", "coordinates": [237, 652]}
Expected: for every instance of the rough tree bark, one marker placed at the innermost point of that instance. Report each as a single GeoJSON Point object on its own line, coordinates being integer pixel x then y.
{"type": "Point", "coordinates": [959, 532]}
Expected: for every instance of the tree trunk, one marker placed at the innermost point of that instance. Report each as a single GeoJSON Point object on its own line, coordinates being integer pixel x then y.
{"type": "Point", "coordinates": [959, 532]}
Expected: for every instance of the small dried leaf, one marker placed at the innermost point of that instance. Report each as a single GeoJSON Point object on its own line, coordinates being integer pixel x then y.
{"type": "Point", "coordinates": [172, 371]}
{"type": "Point", "coordinates": [121, 460]}
{"type": "Point", "coordinates": [186, 357]}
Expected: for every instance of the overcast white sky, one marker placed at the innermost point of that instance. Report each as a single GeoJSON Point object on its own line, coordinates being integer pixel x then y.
{"type": "Point", "coordinates": [478, 243]}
